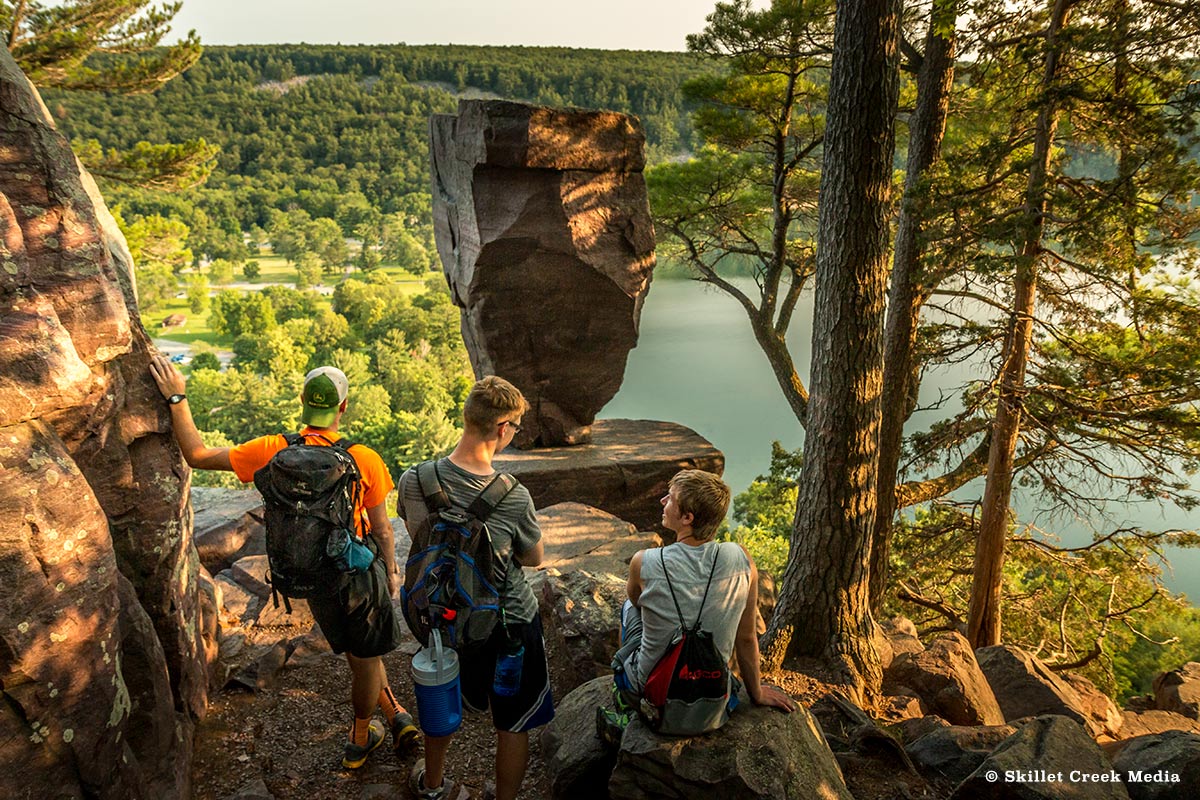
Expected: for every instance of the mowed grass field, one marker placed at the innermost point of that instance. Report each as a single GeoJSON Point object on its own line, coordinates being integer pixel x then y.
{"type": "Point", "coordinates": [273, 270]}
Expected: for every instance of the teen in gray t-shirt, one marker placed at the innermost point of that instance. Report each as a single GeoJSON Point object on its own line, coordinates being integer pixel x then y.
{"type": "Point", "coordinates": [513, 518]}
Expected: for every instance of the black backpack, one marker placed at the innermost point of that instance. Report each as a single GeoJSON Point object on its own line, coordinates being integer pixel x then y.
{"type": "Point", "coordinates": [687, 691]}
{"type": "Point", "coordinates": [454, 573]}
{"type": "Point", "coordinates": [309, 493]}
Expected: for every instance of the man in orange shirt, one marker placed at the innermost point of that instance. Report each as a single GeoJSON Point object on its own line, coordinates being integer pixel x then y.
{"type": "Point", "coordinates": [359, 619]}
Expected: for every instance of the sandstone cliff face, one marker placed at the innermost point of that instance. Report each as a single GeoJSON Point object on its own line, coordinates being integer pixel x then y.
{"type": "Point", "coordinates": [544, 232]}
{"type": "Point", "coordinates": [100, 655]}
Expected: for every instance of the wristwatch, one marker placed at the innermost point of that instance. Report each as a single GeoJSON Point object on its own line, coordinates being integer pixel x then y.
{"type": "Point", "coordinates": [176, 399]}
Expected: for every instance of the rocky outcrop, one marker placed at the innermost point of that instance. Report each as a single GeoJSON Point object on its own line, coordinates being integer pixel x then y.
{"type": "Point", "coordinates": [759, 753]}
{"type": "Point", "coordinates": [1161, 767]}
{"type": "Point", "coordinates": [578, 764]}
{"type": "Point", "coordinates": [1140, 723]}
{"type": "Point", "coordinates": [953, 752]}
{"type": "Point", "coordinates": [102, 660]}
{"type": "Point", "coordinates": [947, 679]}
{"type": "Point", "coordinates": [1178, 691]}
{"type": "Point", "coordinates": [227, 526]}
{"type": "Point", "coordinates": [1025, 687]}
{"type": "Point", "coordinates": [580, 537]}
{"type": "Point", "coordinates": [581, 612]}
{"type": "Point", "coordinates": [543, 228]}
{"type": "Point", "coordinates": [1103, 716]}
{"type": "Point", "coordinates": [624, 470]}
{"type": "Point", "coordinates": [1037, 762]}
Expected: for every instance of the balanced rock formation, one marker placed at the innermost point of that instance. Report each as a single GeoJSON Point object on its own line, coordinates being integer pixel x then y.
{"type": "Point", "coordinates": [543, 228]}
{"type": "Point", "coordinates": [623, 471]}
{"type": "Point", "coordinates": [103, 662]}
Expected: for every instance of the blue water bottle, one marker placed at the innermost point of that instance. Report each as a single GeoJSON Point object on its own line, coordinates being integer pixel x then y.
{"type": "Point", "coordinates": [507, 679]}
{"type": "Point", "coordinates": [436, 682]}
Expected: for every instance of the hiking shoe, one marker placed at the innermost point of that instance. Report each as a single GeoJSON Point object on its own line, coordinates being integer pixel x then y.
{"type": "Point", "coordinates": [610, 727]}
{"type": "Point", "coordinates": [356, 755]}
{"type": "Point", "coordinates": [405, 735]}
{"type": "Point", "coordinates": [449, 790]}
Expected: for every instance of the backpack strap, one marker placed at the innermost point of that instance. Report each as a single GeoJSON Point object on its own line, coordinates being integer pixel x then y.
{"type": "Point", "coordinates": [492, 495]}
{"type": "Point", "coordinates": [293, 439]}
{"type": "Point", "coordinates": [682, 624]}
{"type": "Point", "coordinates": [431, 486]}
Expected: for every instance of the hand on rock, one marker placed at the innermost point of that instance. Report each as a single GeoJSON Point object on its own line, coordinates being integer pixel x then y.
{"type": "Point", "coordinates": [775, 697]}
{"type": "Point", "coordinates": [168, 377]}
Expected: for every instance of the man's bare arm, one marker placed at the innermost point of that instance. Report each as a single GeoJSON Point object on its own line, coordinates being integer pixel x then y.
{"type": "Point", "coordinates": [381, 530]}
{"type": "Point", "coordinates": [531, 557]}
{"type": "Point", "coordinates": [746, 649]}
{"type": "Point", "coordinates": [633, 586]}
{"type": "Point", "coordinates": [197, 454]}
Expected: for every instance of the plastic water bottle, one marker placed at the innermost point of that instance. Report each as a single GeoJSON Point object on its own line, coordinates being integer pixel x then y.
{"type": "Point", "coordinates": [435, 679]}
{"type": "Point", "coordinates": [507, 679]}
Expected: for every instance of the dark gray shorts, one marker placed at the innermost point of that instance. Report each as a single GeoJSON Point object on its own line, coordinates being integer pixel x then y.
{"type": "Point", "coordinates": [359, 618]}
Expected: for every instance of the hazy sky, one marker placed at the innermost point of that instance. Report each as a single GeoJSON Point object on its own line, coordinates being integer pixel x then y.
{"type": "Point", "coordinates": [607, 24]}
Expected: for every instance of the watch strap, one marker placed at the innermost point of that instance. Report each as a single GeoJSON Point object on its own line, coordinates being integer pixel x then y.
{"type": "Point", "coordinates": [175, 399]}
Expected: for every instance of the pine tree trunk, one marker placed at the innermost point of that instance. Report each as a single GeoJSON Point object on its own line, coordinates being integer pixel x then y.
{"type": "Point", "coordinates": [824, 607]}
{"type": "Point", "coordinates": [909, 289]}
{"type": "Point", "coordinates": [983, 626]}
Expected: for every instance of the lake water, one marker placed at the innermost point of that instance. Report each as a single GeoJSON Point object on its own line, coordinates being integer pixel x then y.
{"type": "Point", "coordinates": [697, 364]}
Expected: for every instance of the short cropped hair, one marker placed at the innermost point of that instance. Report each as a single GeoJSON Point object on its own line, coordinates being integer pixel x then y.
{"type": "Point", "coordinates": [490, 399]}
{"type": "Point", "coordinates": [703, 495]}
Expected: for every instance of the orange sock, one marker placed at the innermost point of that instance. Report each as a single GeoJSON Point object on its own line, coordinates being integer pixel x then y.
{"type": "Point", "coordinates": [359, 731]}
{"type": "Point", "coordinates": [391, 707]}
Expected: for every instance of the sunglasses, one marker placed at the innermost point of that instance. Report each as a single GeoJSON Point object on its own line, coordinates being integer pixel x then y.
{"type": "Point", "coordinates": [516, 428]}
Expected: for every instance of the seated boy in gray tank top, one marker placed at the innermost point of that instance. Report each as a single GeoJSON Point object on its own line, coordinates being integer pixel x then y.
{"type": "Point", "coordinates": [695, 504]}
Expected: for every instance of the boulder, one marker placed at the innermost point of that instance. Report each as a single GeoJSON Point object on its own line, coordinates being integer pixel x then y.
{"type": "Point", "coordinates": [98, 577]}
{"type": "Point", "coordinates": [210, 616]}
{"type": "Point", "coordinates": [1163, 766]}
{"type": "Point", "coordinates": [581, 613]}
{"type": "Point", "coordinates": [759, 753]}
{"type": "Point", "coordinates": [581, 537]}
{"type": "Point", "coordinates": [1134, 723]}
{"type": "Point", "coordinates": [1025, 687]}
{"type": "Point", "coordinates": [251, 573]}
{"type": "Point", "coordinates": [1179, 690]}
{"type": "Point", "coordinates": [901, 636]}
{"type": "Point", "coordinates": [947, 679]}
{"type": "Point", "coordinates": [1101, 711]}
{"type": "Point", "coordinates": [1037, 761]}
{"type": "Point", "coordinates": [239, 606]}
{"type": "Point", "coordinates": [227, 525]}
{"type": "Point", "coordinates": [910, 730]}
{"type": "Point", "coordinates": [624, 470]}
{"type": "Point", "coordinates": [954, 752]}
{"type": "Point", "coordinates": [578, 764]}
{"type": "Point", "coordinates": [543, 228]}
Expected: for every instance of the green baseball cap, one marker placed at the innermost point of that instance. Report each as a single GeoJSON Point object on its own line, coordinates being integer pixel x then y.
{"type": "Point", "coordinates": [324, 390]}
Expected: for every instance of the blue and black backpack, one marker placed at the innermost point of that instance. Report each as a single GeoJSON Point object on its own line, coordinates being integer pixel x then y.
{"type": "Point", "coordinates": [454, 572]}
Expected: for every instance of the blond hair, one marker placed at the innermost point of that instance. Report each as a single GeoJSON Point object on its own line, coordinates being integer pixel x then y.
{"type": "Point", "coordinates": [490, 399]}
{"type": "Point", "coordinates": [703, 495]}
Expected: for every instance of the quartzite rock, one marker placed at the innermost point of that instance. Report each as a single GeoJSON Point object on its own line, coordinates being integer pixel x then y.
{"type": "Point", "coordinates": [946, 677]}
{"type": "Point", "coordinates": [1036, 763]}
{"type": "Point", "coordinates": [227, 525]}
{"type": "Point", "coordinates": [759, 753]}
{"type": "Point", "coordinates": [1179, 690]}
{"type": "Point", "coordinates": [543, 227]}
{"type": "Point", "coordinates": [84, 426]}
{"type": "Point", "coordinates": [1163, 766]}
{"type": "Point", "coordinates": [624, 470]}
{"type": "Point", "coordinates": [1025, 687]}
{"type": "Point", "coordinates": [581, 537]}
{"type": "Point", "coordinates": [578, 764]}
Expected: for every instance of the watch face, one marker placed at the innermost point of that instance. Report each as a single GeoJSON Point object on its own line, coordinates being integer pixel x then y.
{"type": "Point", "coordinates": [176, 398]}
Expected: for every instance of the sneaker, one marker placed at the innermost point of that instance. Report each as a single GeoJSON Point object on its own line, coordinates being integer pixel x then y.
{"type": "Point", "coordinates": [405, 735]}
{"type": "Point", "coordinates": [610, 726]}
{"type": "Point", "coordinates": [356, 755]}
{"type": "Point", "coordinates": [449, 790]}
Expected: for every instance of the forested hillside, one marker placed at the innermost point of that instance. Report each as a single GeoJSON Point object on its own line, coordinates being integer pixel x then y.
{"type": "Point", "coordinates": [340, 132]}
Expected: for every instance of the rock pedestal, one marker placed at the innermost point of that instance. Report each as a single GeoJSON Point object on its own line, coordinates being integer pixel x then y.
{"type": "Point", "coordinates": [103, 662]}
{"type": "Point", "coordinates": [624, 470]}
{"type": "Point", "coordinates": [543, 228]}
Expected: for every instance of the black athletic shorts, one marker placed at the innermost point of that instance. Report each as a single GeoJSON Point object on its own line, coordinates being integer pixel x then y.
{"type": "Point", "coordinates": [359, 618]}
{"type": "Point", "coordinates": [532, 706]}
